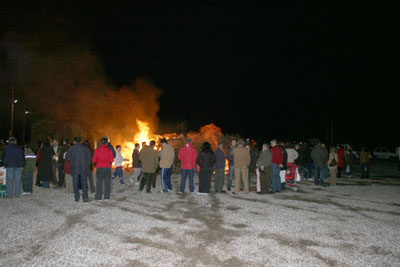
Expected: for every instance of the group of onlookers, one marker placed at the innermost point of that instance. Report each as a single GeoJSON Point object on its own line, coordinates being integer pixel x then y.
{"type": "Point", "coordinates": [275, 167]}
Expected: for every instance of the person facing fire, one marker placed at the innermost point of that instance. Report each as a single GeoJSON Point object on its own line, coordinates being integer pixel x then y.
{"type": "Point", "coordinates": [277, 164]}
{"type": "Point", "coordinates": [61, 162]}
{"type": "Point", "coordinates": [231, 167]}
{"type": "Point", "coordinates": [241, 163]}
{"type": "Point", "coordinates": [137, 165]}
{"type": "Point", "coordinates": [149, 159]}
{"type": "Point", "coordinates": [167, 156]}
{"type": "Point", "coordinates": [187, 155]}
{"type": "Point", "coordinates": [14, 160]}
{"type": "Point", "coordinates": [264, 164]}
{"type": "Point", "coordinates": [219, 169]}
{"type": "Point", "coordinates": [56, 149]}
{"type": "Point", "coordinates": [206, 160]}
{"type": "Point", "coordinates": [79, 157]}
{"type": "Point", "coordinates": [103, 158]}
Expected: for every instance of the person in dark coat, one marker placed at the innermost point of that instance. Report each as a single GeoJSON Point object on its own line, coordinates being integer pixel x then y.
{"type": "Point", "coordinates": [61, 162]}
{"type": "Point", "coordinates": [252, 165]}
{"type": "Point", "coordinates": [264, 164]}
{"type": "Point", "coordinates": [45, 165]}
{"type": "Point", "coordinates": [318, 156]}
{"type": "Point", "coordinates": [80, 159]}
{"type": "Point", "coordinates": [90, 174]}
{"type": "Point", "coordinates": [14, 159]}
{"type": "Point", "coordinates": [219, 169]}
{"type": "Point", "coordinates": [206, 160]}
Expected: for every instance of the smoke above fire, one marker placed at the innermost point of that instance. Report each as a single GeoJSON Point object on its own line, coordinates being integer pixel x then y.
{"type": "Point", "coordinates": [68, 84]}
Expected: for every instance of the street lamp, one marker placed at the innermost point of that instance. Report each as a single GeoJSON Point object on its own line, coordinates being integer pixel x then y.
{"type": "Point", "coordinates": [23, 126]}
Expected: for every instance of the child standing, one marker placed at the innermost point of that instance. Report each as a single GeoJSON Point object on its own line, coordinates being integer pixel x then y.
{"type": "Point", "coordinates": [27, 172]}
{"type": "Point", "coordinates": [118, 165]}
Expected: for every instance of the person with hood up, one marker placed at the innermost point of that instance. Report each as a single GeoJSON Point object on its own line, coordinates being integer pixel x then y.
{"type": "Point", "coordinates": [187, 155]}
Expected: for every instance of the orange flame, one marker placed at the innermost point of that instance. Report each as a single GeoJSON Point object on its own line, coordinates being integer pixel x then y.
{"type": "Point", "coordinates": [143, 135]}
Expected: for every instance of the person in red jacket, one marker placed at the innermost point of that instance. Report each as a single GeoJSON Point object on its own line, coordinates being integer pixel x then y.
{"type": "Point", "coordinates": [103, 158]}
{"type": "Point", "coordinates": [187, 155]}
{"type": "Point", "coordinates": [340, 163]}
{"type": "Point", "coordinates": [277, 163]}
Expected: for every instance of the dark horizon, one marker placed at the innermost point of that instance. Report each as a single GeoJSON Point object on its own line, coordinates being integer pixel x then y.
{"type": "Point", "coordinates": [265, 71]}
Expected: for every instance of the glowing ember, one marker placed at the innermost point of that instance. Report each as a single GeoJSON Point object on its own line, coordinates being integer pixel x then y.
{"type": "Point", "coordinates": [209, 133]}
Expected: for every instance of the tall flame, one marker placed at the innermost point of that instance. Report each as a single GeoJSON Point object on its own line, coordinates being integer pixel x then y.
{"type": "Point", "coordinates": [143, 134]}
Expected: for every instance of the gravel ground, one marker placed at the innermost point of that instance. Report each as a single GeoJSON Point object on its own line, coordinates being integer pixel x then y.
{"type": "Point", "coordinates": [356, 223]}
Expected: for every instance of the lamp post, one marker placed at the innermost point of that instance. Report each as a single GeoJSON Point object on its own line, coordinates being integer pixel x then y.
{"type": "Point", "coordinates": [23, 126]}
{"type": "Point", "coordinates": [13, 101]}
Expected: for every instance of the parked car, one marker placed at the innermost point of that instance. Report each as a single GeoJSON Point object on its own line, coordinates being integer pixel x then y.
{"type": "Point", "coordinates": [383, 153]}
{"type": "Point", "coordinates": [355, 153]}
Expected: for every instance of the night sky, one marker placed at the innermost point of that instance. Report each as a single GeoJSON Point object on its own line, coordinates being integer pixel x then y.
{"type": "Point", "coordinates": [280, 69]}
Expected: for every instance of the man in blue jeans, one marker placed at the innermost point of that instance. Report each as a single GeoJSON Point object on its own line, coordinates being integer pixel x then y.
{"type": "Point", "coordinates": [14, 159]}
{"type": "Point", "coordinates": [187, 155]}
{"type": "Point", "coordinates": [319, 156]}
{"type": "Point", "coordinates": [80, 159]}
{"type": "Point", "coordinates": [184, 174]}
{"type": "Point", "coordinates": [277, 163]}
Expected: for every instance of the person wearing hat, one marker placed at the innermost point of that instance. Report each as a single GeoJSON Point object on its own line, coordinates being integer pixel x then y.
{"type": "Point", "coordinates": [13, 159]}
{"type": "Point", "coordinates": [80, 158]}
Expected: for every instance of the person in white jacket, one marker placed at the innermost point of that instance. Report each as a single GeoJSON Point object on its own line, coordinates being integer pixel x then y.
{"type": "Point", "coordinates": [118, 165]}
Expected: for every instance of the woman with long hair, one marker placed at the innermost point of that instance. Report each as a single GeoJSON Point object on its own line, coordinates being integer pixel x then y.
{"type": "Point", "coordinates": [45, 165]}
{"type": "Point", "coordinates": [206, 160]}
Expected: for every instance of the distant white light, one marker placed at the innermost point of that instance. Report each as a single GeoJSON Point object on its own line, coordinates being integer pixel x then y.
{"type": "Point", "coordinates": [15, 100]}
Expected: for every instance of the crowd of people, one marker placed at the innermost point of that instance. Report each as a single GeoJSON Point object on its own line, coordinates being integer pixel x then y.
{"type": "Point", "coordinates": [275, 166]}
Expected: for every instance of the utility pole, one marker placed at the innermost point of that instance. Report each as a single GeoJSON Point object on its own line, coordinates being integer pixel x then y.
{"type": "Point", "coordinates": [332, 132]}
{"type": "Point", "coordinates": [13, 101]}
{"type": "Point", "coordinates": [23, 126]}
